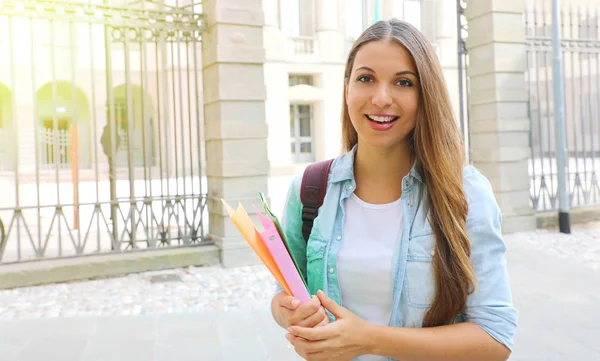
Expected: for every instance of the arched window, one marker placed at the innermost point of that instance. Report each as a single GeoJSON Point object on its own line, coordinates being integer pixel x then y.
{"type": "Point", "coordinates": [7, 142]}
{"type": "Point", "coordinates": [63, 123]}
{"type": "Point", "coordinates": [135, 126]}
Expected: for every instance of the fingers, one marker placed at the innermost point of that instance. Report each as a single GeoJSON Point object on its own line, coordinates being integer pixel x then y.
{"type": "Point", "coordinates": [307, 309]}
{"type": "Point", "coordinates": [325, 321]}
{"type": "Point", "coordinates": [309, 350]}
{"type": "Point", "coordinates": [313, 334]}
{"type": "Point", "coordinates": [289, 302]}
{"type": "Point", "coordinates": [337, 310]}
{"type": "Point", "coordinates": [314, 319]}
{"type": "Point", "coordinates": [309, 314]}
{"type": "Point", "coordinates": [298, 343]}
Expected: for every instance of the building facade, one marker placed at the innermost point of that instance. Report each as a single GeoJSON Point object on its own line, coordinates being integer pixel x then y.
{"type": "Point", "coordinates": [195, 103]}
{"type": "Point", "coordinates": [306, 43]}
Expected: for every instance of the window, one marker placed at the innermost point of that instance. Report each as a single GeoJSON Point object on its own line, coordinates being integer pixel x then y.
{"type": "Point", "coordinates": [409, 10]}
{"type": "Point", "coordinates": [55, 139]}
{"type": "Point", "coordinates": [300, 79]}
{"type": "Point", "coordinates": [301, 132]}
{"type": "Point", "coordinates": [7, 141]}
{"type": "Point", "coordinates": [290, 21]}
{"type": "Point", "coordinates": [297, 17]}
{"type": "Point", "coordinates": [140, 145]}
{"type": "Point", "coordinates": [3, 137]}
{"type": "Point", "coordinates": [355, 19]}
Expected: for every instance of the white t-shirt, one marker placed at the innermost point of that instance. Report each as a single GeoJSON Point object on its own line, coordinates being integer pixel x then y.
{"type": "Point", "coordinates": [364, 261]}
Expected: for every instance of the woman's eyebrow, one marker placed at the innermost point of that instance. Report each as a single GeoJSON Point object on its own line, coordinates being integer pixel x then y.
{"type": "Point", "coordinates": [404, 72]}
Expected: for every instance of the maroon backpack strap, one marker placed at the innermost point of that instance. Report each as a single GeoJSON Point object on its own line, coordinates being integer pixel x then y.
{"type": "Point", "coordinates": [312, 193]}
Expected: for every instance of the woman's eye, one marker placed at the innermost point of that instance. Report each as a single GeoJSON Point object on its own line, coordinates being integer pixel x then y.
{"type": "Point", "coordinates": [405, 82]}
{"type": "Point", "coordinates": [364, 79]}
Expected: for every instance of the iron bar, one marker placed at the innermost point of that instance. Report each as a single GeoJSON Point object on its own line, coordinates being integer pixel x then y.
{"type": "Point", "coordinates": [559, 110]}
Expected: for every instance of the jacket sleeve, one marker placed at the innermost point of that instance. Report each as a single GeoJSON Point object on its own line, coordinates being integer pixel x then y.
{"type": "Point", "coordinates": [490, 306]}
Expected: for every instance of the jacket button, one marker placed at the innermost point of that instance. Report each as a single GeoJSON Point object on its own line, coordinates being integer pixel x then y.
{"type": "Point", "coordinates": [331, 270]}
{"type": "Point", "coordinates": [339, 238]}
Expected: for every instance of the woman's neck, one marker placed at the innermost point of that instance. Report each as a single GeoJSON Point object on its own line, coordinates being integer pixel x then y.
{"type": "Point", "coordinates": [379, 172]}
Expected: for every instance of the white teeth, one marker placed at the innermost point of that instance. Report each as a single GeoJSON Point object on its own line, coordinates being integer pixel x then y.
{"type": "Point", "coordinates": [379, 119]}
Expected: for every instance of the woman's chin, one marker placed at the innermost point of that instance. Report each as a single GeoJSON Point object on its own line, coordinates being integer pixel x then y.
{"type": "Point", "coordinates": [381, 143]}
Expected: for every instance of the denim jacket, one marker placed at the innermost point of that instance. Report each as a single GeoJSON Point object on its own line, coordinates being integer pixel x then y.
{"type": "Point", "coordinates": [490, 306]}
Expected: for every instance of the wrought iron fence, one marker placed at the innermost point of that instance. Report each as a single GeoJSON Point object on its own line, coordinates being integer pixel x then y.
{"type": "Point", "coordinates": [109, 154]}
{"type": "Point", "coordinates": [581, 72]}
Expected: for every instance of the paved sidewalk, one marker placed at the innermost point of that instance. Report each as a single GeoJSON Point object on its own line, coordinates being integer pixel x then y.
{"type": "Point", "coordinates": [559, 306]}
{"type": "Point", "coordinates": [228, 335]}
{"type": "Point", "coordinates": [557, 294]}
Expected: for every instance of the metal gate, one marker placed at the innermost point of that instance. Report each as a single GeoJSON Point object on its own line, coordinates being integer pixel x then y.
{"type": "Point", "coordinates": [101, 146]}
{"type": "Point", "coordinates": [581, 73]}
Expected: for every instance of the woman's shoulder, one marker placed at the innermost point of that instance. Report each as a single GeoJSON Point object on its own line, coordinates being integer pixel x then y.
{"type": "Point", "coordinates": [294, 187]}
{"type": "Point", "coordinates": [340, 168]}
{"type": "Point", "coordinates": [475, 183]}
{"type": "Point", "coordinates": [480, 194]}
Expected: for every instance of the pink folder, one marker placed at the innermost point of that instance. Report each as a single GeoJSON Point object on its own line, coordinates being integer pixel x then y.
{"type": "Point", "coordinates": [245, 226]}
{"type": "Point", "coordinates": [282, 258]}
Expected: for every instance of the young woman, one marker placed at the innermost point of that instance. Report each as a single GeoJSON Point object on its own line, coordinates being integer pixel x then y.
{"type": "Point", "coordinates": [406, 254]}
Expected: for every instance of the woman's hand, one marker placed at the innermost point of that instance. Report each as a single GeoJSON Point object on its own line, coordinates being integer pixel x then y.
{"type": "Point", "coordinates": [345, 339]}
{"type": "Point", "coordinates": [288, 311]}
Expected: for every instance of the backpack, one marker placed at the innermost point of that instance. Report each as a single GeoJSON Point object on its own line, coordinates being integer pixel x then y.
{"type": "Point", "coordinates": [312, 193]}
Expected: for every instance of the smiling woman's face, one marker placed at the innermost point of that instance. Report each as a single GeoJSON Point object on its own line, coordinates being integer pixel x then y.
{"type": "Point", "coordinates": [382, 94]}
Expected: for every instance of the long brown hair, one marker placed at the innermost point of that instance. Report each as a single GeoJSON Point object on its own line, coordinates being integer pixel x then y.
{"type": "Point", "coordinates": [438, 150]}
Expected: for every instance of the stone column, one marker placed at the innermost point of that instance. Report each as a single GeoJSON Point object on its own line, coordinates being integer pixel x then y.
{"type": "Point", "coordinates": [330, 39]}
{"type": "Point", "coordinates": [499, 121]}
{"type": "Point", "coordinates": [234, 111]}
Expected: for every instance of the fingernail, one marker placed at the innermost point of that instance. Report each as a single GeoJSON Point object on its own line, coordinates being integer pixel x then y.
{"type": "Point", "coordinates": [295, 303]}
{"type": "Point", "coordinates": [289, 329]}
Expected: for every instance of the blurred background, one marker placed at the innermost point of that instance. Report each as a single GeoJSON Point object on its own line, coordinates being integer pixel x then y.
{"type": "Point", "coordinates": [124, 123]}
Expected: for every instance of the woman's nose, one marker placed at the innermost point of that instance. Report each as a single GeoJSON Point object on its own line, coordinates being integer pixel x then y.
{"type": "Point", "coordinates": [382, 98]}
